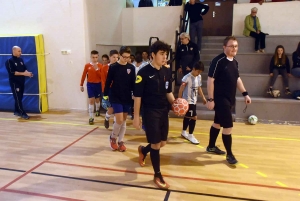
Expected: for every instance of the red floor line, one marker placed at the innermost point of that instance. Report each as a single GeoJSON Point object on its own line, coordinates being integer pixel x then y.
{"type": "Point", "coordinates": [40, 195]}
{"type": "Point", "coordinates": [71, 144]}
{"type": "Point", "coordinates": [35, 167]}
{"type": "Point", "coordinates": [178, 177]}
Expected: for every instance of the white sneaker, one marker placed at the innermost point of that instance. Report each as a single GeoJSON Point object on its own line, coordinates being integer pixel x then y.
{"type": "Point", "coordinates": [184, 135]}
{"type": "Point", "coordinates": [298, 97]}
{"type": "Point", "coordinates": [192, 139]}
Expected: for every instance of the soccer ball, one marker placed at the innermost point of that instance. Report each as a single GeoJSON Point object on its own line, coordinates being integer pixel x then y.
{"type": "Point", "coordinates": [180, 106]}
{"type": "Point", "coordinates": [252, 119]}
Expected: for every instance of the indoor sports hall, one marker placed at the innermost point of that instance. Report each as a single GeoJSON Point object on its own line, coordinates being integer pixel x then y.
{"type": "Point", "coordinates": [57, 155]}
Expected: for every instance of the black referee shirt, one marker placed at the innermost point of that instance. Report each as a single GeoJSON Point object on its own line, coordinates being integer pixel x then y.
{"type": "Point", "coordinates": [152, 86]}
{"type": "Point", "coordinates": [15, 64]}
{"type": "Point", "coordinates": [122, 78]}
{"type": "Point", "coordinates": [225, 73]}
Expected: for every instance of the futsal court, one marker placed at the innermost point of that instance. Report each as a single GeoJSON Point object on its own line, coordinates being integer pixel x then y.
{"type": "Point", "coordinates": [58, 156]}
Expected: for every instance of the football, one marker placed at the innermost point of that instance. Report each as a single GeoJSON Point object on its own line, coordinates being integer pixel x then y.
{"type": "Point", "coordinates": [180, 106]}
{"type": "Point", "coordinates": [252, 119]}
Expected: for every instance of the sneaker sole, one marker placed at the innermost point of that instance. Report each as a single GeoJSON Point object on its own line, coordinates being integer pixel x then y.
{"type": "Point", "coordinates": [232, 163]}
{"type": "Point", "coordinates": [195, 143]}
{"type": "Point", "coordinates": [184, 137]}
{"type": "Point", "coordinates": [215, 153]}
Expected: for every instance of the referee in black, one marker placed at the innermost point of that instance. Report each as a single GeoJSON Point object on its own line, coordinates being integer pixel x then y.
{"type": "Point", "coordinates": [17, 71]}
{"type": "Point", "coordinates": [153, 87]}
{"type": "Point", "coordinates": [223, 79]}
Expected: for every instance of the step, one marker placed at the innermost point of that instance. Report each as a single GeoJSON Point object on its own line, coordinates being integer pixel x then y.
{"type": "Point", "coordinates": [258, 84]}
{"type": "Point", "coordinates": [269, 110]}
{"type": "Point", "coordinates": [246, 44]}
{"type": "Point", "coordinates": [211, 45]}
{"type": "Point", "coordinates": [213, 39]}
{"type": "Point", "coordinates": [211, 51]}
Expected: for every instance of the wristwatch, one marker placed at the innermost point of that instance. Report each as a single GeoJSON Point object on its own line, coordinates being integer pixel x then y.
{"type": "Point", "coordinates": [210, 99]}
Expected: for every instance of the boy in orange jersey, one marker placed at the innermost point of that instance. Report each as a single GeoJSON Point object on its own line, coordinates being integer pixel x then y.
{"type": "Point", "coordinates": [92, 71]}
{"type": "Point", "coordinates": [113, 58]}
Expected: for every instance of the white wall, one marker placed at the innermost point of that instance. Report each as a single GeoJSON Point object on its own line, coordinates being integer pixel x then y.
{"type": "Point", "coordinates": [62, 24]}
{"type": "Point", "coordinates": [139, 24]}
{"type": "Point", "coordinates": [280, 18]}
{"type": "Point", "coordinates": [108, 21]}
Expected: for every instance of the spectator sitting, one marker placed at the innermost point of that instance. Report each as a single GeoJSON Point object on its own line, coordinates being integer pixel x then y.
{"type": "Point", "coordinates": [296, 62]}
{"type": "Point", "coordinates": [279, 65]}
{"type": "Point", "coordinates": [145, 3]}
{"type": "Point", "coordinates": [252, 28]}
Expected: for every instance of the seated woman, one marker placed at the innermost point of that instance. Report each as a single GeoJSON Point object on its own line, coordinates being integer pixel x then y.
{"type": "Point", "coordinates": [252, 28]}
{"type": "Point", "coordinates": [296, 62]}
{"type": "Point", "coordinates": [279, 65]}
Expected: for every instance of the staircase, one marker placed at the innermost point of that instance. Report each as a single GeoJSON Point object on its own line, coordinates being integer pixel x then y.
{"type": "Point", "coordinates": [254, 71]}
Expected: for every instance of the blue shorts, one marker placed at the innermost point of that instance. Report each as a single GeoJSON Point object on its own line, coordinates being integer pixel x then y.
{"type": "Point", "coordinates": [94, 90]}
{"type": "Point", "coordinates": [120, 108]}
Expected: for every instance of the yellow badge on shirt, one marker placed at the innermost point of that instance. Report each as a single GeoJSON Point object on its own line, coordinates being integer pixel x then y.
{"type": "Point", "coordinates": [138, 79]}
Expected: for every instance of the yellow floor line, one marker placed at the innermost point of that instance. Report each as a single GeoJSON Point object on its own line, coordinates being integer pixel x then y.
{"type": "Point", "coordinates": [131, 128]}
{"type": "Point", "coordinates": [261, 174]}
{"type": "Point", "coordinates": [281, 184]}
{"type": "Point", "coordinates": [200, 146]}
{"type": "Point", "coordinates": [244, 166]}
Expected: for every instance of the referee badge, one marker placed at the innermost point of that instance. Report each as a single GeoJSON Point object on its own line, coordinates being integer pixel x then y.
{"type": "Point", "coordinates": [167, 84]}
{"type": "Point", "coordinates": [138, 79]}
{"type": "Point", "coordinates": [21, 63]}
{"type": "Point", "coordinates": [191, 48]}
{"type": "Point", "coordinates": [128, 71]}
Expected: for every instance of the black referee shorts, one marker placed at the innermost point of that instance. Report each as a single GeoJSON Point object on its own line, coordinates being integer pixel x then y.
{"type": "Point", "coordinates": [223, 116]}
{"type": "Point", "coordinates": [156, 122]}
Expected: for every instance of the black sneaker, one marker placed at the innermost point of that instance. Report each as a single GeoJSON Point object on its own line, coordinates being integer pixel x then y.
{"type": "Point", "coordinates": [288, 92]}
{"type": "Point", "coordinates": [17, 114]}
{"type": "Point", "coordinates": [231, 159]}
{"type": "Point", "coordinates": [24, 116]}
{"type": "Point", "coordinates": [215, 150]}
{"type": "Point", "coordinates": [97, 113]}
{"type": "Point", "coordinates": [106, 123]}
{"type": "Point", "coordinates": [91, 121]}
{"type": "Point", "coordinates": [270, 91]}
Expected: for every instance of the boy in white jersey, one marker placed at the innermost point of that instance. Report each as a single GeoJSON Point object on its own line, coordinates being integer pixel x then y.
{"type": "Point", "coordinates": [189, 89]}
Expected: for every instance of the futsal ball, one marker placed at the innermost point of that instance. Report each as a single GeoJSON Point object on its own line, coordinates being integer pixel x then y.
{"type": "Point", "coordinates": [180, 106]}
{"type": "Point", "coordinates": [252, 119]}
{"type": "Point", "coordinates": [275, 93]}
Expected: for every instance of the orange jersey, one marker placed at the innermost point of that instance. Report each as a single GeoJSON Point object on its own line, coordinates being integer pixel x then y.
{"type": "Point", "coordinates": [94, 76]}
{"type": "Point", "coordinates": [104, 72]}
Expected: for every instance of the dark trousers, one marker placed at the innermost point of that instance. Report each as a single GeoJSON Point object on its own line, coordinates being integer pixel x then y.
{"type": "Point", "coordinates": [259, 40]}
{"type": "Point", "coordinates": [196, 30]}
{"type": "Point", "coordinates": [18, 91]}
{"type": "Point", "coordinates": [284, 75]}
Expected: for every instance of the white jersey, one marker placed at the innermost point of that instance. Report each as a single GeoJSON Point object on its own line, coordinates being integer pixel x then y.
{"type": "Point", "coordinates": [140, 67]}
{"type": "Point", "coordinates": [190, 92]}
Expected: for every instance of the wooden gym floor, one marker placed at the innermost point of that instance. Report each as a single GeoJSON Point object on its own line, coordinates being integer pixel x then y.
{"type": "Point", "coordinates": [58, 156]}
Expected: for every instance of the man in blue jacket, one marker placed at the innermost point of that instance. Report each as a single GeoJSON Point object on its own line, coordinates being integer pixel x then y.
{"type": "Point", "coordinates": [17, 72]}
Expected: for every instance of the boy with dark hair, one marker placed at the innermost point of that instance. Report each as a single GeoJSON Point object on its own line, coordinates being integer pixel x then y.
{"type": "Point", "coordinates": [189, 89]}
{"type": "Point", "coordinates": [105, 59]}
{"type": "Point", "coordinates": [113, 58]}
{"type": "Point", "coordinates": [121, 78]}
{"type": "Point", "coordinates": [92, 71]}
{"type": "Point", "coordinates": [153, 89]}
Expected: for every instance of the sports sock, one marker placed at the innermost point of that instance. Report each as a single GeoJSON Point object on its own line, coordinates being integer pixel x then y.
{"type": "Point", "coordinates": [91, 111]}
{"type": "Point", "coordinates": [213, 135]}
{"type": "Point", "coordinates": [227, 141]}
{"type": "Point", "coordinates": [192, 125]}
